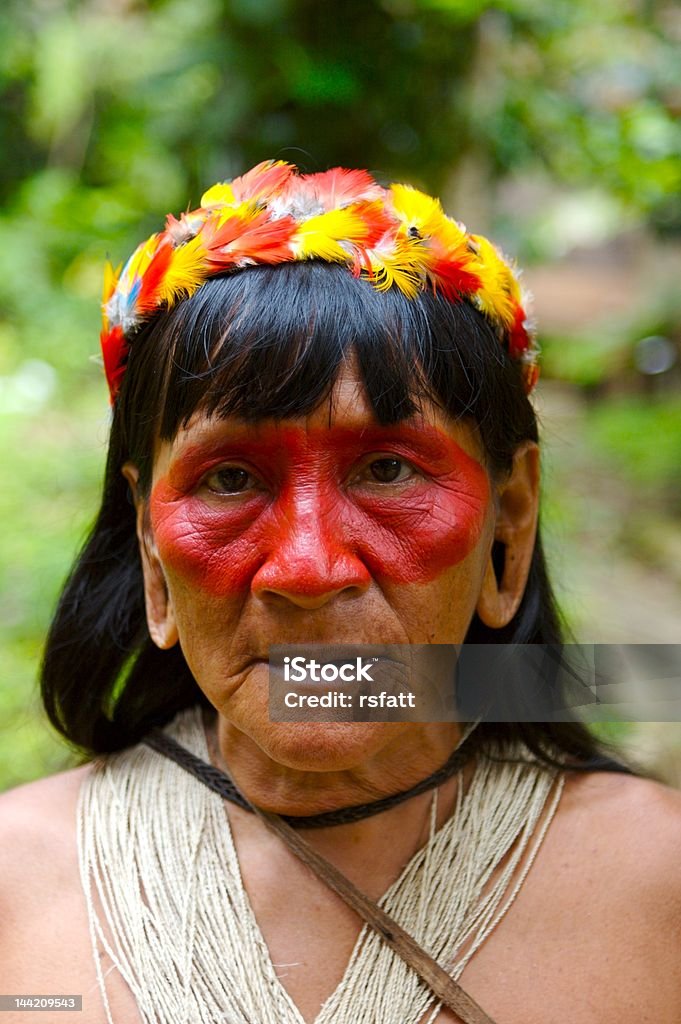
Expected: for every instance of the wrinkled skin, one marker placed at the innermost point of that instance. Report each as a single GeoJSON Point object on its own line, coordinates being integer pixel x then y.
{"type": "Point", "coordinates": [326, 528]}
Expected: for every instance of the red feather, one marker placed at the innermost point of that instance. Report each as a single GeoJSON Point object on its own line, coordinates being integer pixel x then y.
{"type": "Point", "coordinates": [153, 276]}
{"type": "Point", "coordinates": [114, 352]}
{"type": "Point", "coordinates": [452, 279]}
{"type": "Point", "coordinates": [518, 338]}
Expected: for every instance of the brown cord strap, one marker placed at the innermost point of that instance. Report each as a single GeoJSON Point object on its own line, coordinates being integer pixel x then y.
{"type": "Point", "coordinates": [447, 991]}
{"type": "Point", "coordinates": [224, 787]}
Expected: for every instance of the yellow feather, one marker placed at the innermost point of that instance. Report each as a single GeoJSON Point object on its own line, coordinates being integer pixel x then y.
{"type": "Point", "coordinates": [318, 237]}
{"type": "Point", "coordinates": [245, 211]}
{"type": "Point", "coordinates": [417, 210]}
{"type": "Point", "coordinates": [187, 271]}
{"type": "Point", "coordinates": [402, 266]}
{"type": "Point", "coordinates": [139, 261]}
{"type": "Point", "coordinates": [500, 291]}
{"type": "Point", "coordinates": [219, 195]}
{"type": "Point", "coordinates": [452, 236]}
{"type": "Point", "coordinates": [111, 275]}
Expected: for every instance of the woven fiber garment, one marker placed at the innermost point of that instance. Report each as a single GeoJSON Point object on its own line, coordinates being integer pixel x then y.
{"type": "Point", "coordinates": [167, 904]}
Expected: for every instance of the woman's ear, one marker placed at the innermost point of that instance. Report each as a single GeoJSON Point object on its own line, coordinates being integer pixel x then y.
{"type": "Point", "coordinates": [508, 563]}
{"type": "Point", "coordinates": [159, 605]}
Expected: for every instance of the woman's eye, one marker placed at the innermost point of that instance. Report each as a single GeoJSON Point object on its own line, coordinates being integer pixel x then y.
{"type": "Point", "coordinates": [229, 480]}
{"type": "Point", "coordinates": [389, 470]}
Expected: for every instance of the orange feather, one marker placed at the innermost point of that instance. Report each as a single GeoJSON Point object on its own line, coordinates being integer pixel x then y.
{"type": "Point", "coordinates": [257, 239]}
{"type": "Point", "coordinates": [267, 178]}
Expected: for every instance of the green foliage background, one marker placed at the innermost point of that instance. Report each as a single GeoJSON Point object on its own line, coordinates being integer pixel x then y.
{"type": "Point", "coordinates": [116, 111]}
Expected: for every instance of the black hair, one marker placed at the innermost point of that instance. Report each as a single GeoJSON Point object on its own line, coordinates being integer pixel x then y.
{"type": "Point", "coordinates": [269, 342]}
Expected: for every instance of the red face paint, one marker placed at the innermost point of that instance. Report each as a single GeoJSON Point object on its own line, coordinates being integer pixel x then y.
{"type": "Point", "coordinates": [315, 521]}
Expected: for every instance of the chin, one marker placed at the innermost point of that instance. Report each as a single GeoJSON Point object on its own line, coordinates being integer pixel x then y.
{"type": "Point", "coordinates": [309, 746]}
{"type": "Point", "coordinates": [301, 746]}
{"type": "Point", "coordinates": [325, 746]}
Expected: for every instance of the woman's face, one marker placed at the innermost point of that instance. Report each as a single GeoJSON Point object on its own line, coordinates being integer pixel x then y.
{"type": "Point", "coordinates": [328, 528]}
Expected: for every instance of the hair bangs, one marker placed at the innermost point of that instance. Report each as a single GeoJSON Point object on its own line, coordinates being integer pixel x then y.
{"type": "Point", "coordinates": [269, 342]}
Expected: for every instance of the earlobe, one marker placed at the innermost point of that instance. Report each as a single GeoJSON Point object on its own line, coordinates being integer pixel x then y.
{"type": "Point", "coordinates": [515, 531]}
{"type": "Point", "coordinates": [159, 606]}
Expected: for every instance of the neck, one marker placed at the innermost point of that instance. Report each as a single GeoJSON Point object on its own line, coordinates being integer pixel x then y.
{"type": "Point", "coordinates": [412, 754]}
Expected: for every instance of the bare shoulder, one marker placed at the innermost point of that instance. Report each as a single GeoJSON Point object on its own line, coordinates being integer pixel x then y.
{"type": "Point", "coordinates": [38, 816]}
{"type": "Point", "coordinates": [628, 828]}
{"type": "Point", "coordinates": [625, 801]}
{"type": "Point", "coordinates": [59, 788]}
{"type": "Point", "coordinates": [38, 850]}
{"type": "Point", "coordinates": [45, 944]}
{"type": "Point", "coordinates": [598, 919]}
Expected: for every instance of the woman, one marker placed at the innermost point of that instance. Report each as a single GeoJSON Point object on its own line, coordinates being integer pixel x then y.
{"type": "Point", "coordinates": [321, 434]}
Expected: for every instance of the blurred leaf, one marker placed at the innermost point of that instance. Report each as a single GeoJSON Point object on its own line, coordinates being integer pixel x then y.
{"type": "Point", "coordinates": [642, 439]}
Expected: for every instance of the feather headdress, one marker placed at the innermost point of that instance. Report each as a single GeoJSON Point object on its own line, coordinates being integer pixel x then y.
{"type": "Point", "coordinates": [395, 238]}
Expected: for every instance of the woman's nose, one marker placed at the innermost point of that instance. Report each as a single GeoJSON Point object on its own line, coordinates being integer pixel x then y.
{"type": "Point", "coordinates": [311, 561]}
